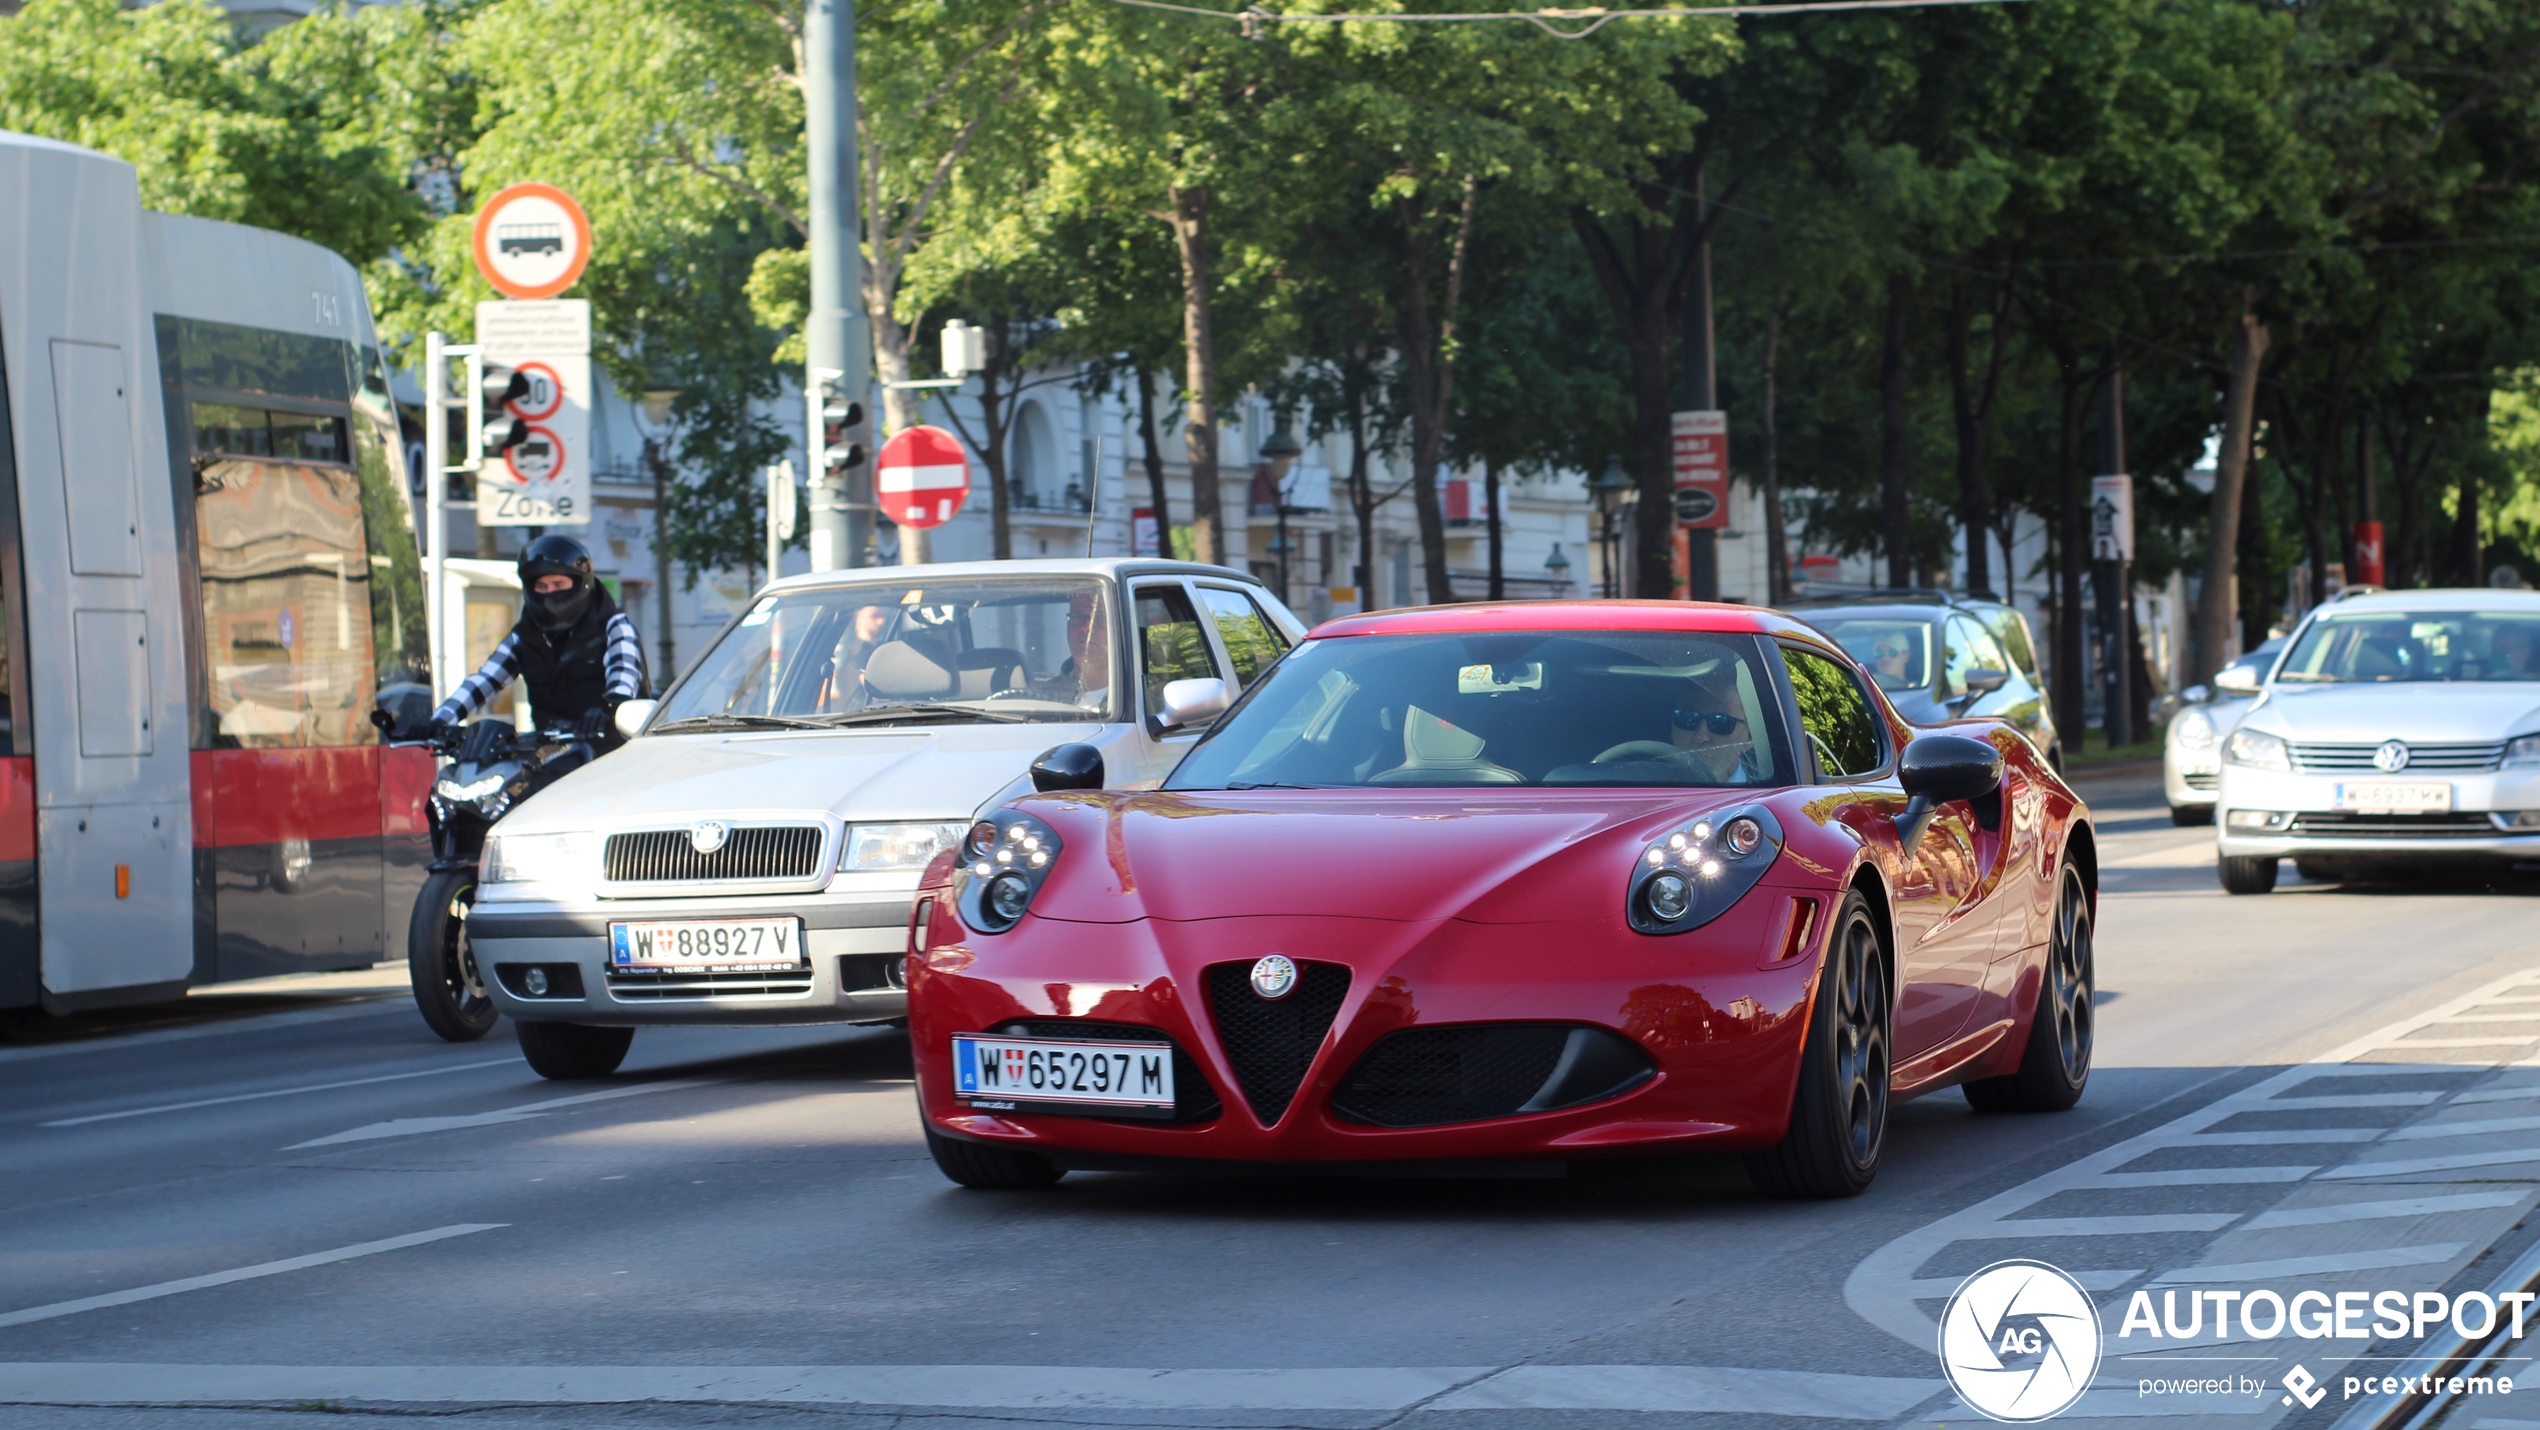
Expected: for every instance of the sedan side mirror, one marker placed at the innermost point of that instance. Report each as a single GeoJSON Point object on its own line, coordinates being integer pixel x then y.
{"type": "Point", "coordinates": [1982, 682]}
{"type": "Point", "coordinates": [1943, 769]}
{"type": "Point", "coordinates": [1067, 767]}
{"type": "Point", "coordinates": [2196, 695]}
{"type": "Point", "coordinates": [631, 715]}
{"type": "Point", "coordinates": [2236, 680]}
{"type": "Point", "coordinates": [1192, 702]}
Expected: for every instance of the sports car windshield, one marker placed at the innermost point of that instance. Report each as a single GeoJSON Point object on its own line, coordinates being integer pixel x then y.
{"type": "Point", "coordinates": [892, 652]}
{"type": "Point", "coordinates": [2379, 646]}
{"type": "Point", "coordinates": [1560, 708]}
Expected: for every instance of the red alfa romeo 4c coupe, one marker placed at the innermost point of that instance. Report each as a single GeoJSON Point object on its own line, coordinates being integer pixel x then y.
{"type": "Point", "coordinates": [1559, 880]}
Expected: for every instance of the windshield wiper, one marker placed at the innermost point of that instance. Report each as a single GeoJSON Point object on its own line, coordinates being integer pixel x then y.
{"type": "Point", "coordinates": [1273, 784]}
{"type": "Point", "coordinates": [886, 714]}
{"type": "Point", "coordinates": [735, 722]}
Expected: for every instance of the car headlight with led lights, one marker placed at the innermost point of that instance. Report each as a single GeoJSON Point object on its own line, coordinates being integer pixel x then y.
{"type": "Point", "coordinates": [2258, 750]}
{"type": "Point", "coordinates": [1004, 861]}
{"type": "Point", "coordinates": [886, 848]}
{"type": "Point", "coordinates": [1696, 872]}
{"type": "Point", "coordinates": [2522, 752]}
{"type": "Point", "coordinates": [2194, 730]}
{"type": "Point", "coordinates": [534, 858]}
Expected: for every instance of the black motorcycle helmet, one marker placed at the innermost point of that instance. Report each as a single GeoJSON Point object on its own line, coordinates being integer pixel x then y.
{"type": "Point", "coordinates": [556, 556]}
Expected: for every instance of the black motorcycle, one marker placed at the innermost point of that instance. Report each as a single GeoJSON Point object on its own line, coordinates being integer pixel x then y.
{"type": "Point", "coordinates": [491, 767]}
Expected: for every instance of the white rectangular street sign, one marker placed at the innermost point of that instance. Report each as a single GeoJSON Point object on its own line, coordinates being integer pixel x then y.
{"type": "Point", "coordinates": [546, 480]}
{"type": "Point", "coordinates": [2112, 518]}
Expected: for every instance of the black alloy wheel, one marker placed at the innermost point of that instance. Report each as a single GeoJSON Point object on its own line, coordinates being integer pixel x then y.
{"type": "Point", "coordinates": [989, 1169]}
{"type": "Point", "coordinates": [567, 1052]}
{"type": "Point", "coordinates": [2056, 1065]}
{"type": "Point", "coordinates": [449, 991]}
{"type": "Point", "coordinates": [1838, 1117]}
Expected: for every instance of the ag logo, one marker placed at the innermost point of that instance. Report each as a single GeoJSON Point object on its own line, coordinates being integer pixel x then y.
{"type": "Point", "coordinates": [2019, 1341]}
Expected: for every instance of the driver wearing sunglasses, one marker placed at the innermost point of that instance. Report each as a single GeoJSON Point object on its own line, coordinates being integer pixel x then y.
{"type": "Point", "coordinates": [1714, 737]}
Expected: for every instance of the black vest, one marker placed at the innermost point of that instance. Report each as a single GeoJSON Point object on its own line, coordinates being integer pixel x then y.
{"type": "Point", "coordinates": [567, 673]}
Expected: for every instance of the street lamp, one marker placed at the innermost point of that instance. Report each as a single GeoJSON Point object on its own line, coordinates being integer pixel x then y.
{"type": "Point", "coordinates": [1279, 452]}
{"type": "Point", "coordinates": [1608, 491]}
{"type": "Point", "coordinates": [1557, 568]}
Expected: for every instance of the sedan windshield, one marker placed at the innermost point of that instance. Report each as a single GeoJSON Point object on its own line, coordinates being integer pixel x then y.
{"type": "Point", "coordinates": [1896, 651]}
{"type": "Point", "coordinates": [888, 652]}
{"type": "Point", "coordinates": [2377, 646]}
{"type": "Point", "coordinates": [1506, 708]}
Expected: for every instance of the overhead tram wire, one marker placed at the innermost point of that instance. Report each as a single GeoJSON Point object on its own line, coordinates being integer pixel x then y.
{"type": "Point", "coordinates": [1597, 17]}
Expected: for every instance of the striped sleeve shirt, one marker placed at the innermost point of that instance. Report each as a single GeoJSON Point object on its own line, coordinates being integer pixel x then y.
{"type": "Point", "coordinates": [624, 671]}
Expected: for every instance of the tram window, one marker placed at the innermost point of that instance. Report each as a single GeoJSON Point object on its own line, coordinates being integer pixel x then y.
{"type": "Point", "coordinates": [224, 429]}
{"type": "Point", "coordinates": [287, 582]}
{"type": "Point", "coordinates": [397, 629]}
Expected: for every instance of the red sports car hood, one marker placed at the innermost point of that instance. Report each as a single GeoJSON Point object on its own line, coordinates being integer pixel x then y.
{"type": "Point", "coordinates": [1407, 856]}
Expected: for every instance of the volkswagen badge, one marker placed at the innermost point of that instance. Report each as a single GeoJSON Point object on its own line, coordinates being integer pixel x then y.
{"type": "Point", "coordinates": [2391, 758]}
{"type": "Point", "coordinates": [707, 835]}
{"type": "Point", "coordinates": [1274, 976]}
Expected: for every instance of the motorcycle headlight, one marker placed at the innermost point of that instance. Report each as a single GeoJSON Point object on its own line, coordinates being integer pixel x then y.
{"type": "Point", "coordinates": [2194, 730]}
{"type": "Point", "coordinates": [1697, 871]}
{"type": "Point", "coordinates": [882, 848]}
{"type": "Point", "coordinates": [2522, 752]}
{"type": "Point", "coordinates": [1004, 862]}
{"type": "Point", "coordinates": [534, 858]}
{"type": "Point", "coordinates": [2258, 750]}
{"type": "Point", "coordinates": [469, 792]}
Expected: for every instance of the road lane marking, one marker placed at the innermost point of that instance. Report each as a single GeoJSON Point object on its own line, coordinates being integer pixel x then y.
{"type": "Point", "coordinates": [2432, 1254]}
{"type": "Point", "coordinates": [2426, 1131]}
{"type": "Point", "coordinates": [2498, 1094]}
{"type": "Point", "coordinates": [1689, 1389]}
{"type": "Point", "coordinates": [414, 1126]}
{"type": "Point", "coordinates": [244, 1273]}
{"type": "Point", "coordinates": [2125, 1225]}
{"type": "Point", "coordinates": [2293, 1138]}
{"type": "Point", "coordinates": [2203, 1176]}
{"type": "Point", "coordinates": [2370, 1211]}
{"type": "Point", "coordinates": [2453, 1163]}
{"type": "Point", "coordinates": [1939, 1288]}
{"type": "Point", "coordinates": [2360, 1099]}
{"type": "Point", "coordinates": [277, 1092]}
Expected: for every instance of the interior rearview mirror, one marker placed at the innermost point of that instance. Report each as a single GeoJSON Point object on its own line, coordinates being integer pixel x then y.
{"type": "Point", "coordinates": [1943, 769]}
{"type": "Point", "coordinates": [1192, 702]}
{"type": "Point", "coordinates": [2236, 680]}
{"type": "Point", "coordinates": [1067, 767]}
{"type": "Point", "coordinates": [632, 714]}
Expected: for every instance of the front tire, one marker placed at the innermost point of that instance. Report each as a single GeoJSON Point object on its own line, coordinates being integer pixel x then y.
{"type": "Point", "coordinates": [1838, 1117]}
{"type": "Point", "coordinates": [2189, 816]}
{"type": "Point", "coordinates": [991, 1169]}
{"type": "Point", "coordinates": [441, 964]}
{"type": "Point", "coordinates": [2247, 874]}
{"type": "Point", "coordinates": [2056, 1065]}
{"type": "Point", "coordinates": [568, 1052]}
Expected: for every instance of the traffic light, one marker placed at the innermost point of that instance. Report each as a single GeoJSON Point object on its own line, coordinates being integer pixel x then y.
{"type": "Point", "coordinates": [839, 417]}
{"type": "Point", "coordinates": [498, 389]}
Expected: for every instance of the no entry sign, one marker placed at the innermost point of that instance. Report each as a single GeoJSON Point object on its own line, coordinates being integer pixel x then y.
{"type": "Point", "coordinates": [922, 477]}
{"type": "Point", "coordinates": [532, 241]}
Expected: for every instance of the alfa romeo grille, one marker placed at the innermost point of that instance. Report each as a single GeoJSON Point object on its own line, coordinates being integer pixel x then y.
{"type": "Point", "coordinates": [1424, 1077]}
{"type": "Point", "coordinates": [665, 856]}
{"type": "Point", "coordinates": [2357, 759]}
{"type": "Point", "coordinates": [1193, 1099]}
{"type": "Point", "coordinates": [1271, 1042]}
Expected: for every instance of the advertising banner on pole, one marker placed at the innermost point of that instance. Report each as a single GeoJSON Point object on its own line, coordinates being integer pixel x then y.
{"type": "Point", "coordinates": [1702, 469]}
{"type": "Point", "coordinates": [546, 480]}
{"type": "Point", "coordinates": [2112, 518]}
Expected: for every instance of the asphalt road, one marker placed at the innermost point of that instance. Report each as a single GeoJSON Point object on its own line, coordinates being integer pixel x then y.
{"type": "Point", "coordinates": [216, 1221]}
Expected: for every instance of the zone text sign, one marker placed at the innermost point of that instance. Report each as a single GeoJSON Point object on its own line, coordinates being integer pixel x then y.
{"type": "Point", "coordinates": [546, 480]}
{"type": "Point", "coordinates": [1701, 443]}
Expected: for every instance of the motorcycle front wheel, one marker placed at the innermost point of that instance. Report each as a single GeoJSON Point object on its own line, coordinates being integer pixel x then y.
{"type": "Point", "coordinates": [449, 991]}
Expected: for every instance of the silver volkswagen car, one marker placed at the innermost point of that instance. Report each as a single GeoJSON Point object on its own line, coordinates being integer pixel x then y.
{"type": "Point", "coordinates": [751, 856]}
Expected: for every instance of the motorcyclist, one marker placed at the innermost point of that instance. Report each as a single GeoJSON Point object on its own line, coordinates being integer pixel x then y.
{"type": "Point", "coordinates": [575, 649]}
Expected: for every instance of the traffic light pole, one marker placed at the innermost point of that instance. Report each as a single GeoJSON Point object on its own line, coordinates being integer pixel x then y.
{"type": "Point", "coordinates": [836, 335]}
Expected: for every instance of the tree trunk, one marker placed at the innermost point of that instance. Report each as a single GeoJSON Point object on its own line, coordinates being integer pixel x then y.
{"type": "Point", "coordinates": [1362, 498]}
{"type": "Point", "coordinates": [2231, 473]}
{"type": "Point", "coordinates": [2072, 658]}
{"type": "Point", "coordinates": [1896, 516]}
{"type": "Point", "coordinates": [1776, 534]}
{"type": "Point", "coordinates": [1428, 350]}
{"type": "Point", "coordinates": [1643, 275]}
{"type": "Point", "coordinates": [1154, 449]}
{"type": "Point", "coordinates": [1975, 512]}
{"type": "Point", "coordinates": [2252, 592]}
{"type": "Point", "coordinates": [900, 406]}
{"type": "Point", "coordinates": [2468, 567]}
{"type": "Point", "coordinates": [1189, 218]}
{"type": "Point", "coordinates": [1490, 521]}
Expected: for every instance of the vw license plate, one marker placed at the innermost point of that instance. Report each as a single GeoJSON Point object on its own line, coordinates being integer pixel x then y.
{"type": "Point", "coordinates": [708, 946]}
{"type": "Point", "coordinates": [1039, 1075]}
{"type": "Point", "coordinates": [2395, 797]}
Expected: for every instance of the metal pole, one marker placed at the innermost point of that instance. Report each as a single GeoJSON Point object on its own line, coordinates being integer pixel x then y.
{"type": "Point", "coordinates": [2117, 665]}
{"type": "Point", "coordinates": [1702, 394]}
{"type": "Point", "coordinates": [775, 542]}
{"type": "Point", "coordinates": [836, 333]}
{"type": "Point", "coordinates": [436, 515]}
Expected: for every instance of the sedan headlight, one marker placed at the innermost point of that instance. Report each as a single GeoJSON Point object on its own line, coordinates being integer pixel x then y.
{"type": "Point", "coordinates": [1004, 862]}
{"type": "Point", "coordinates": [1695, 872]}
{"type": "Point", "coordinates": [2522, 752]}
{"type": "Point", "coordinates": [534, 858]}
{"type": "Point", "coordinates": [883, 848]}
{"type": "Point", "coordinates": [2194, 730]}
{"type": "Point", "coordinates": [2258, 749]}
